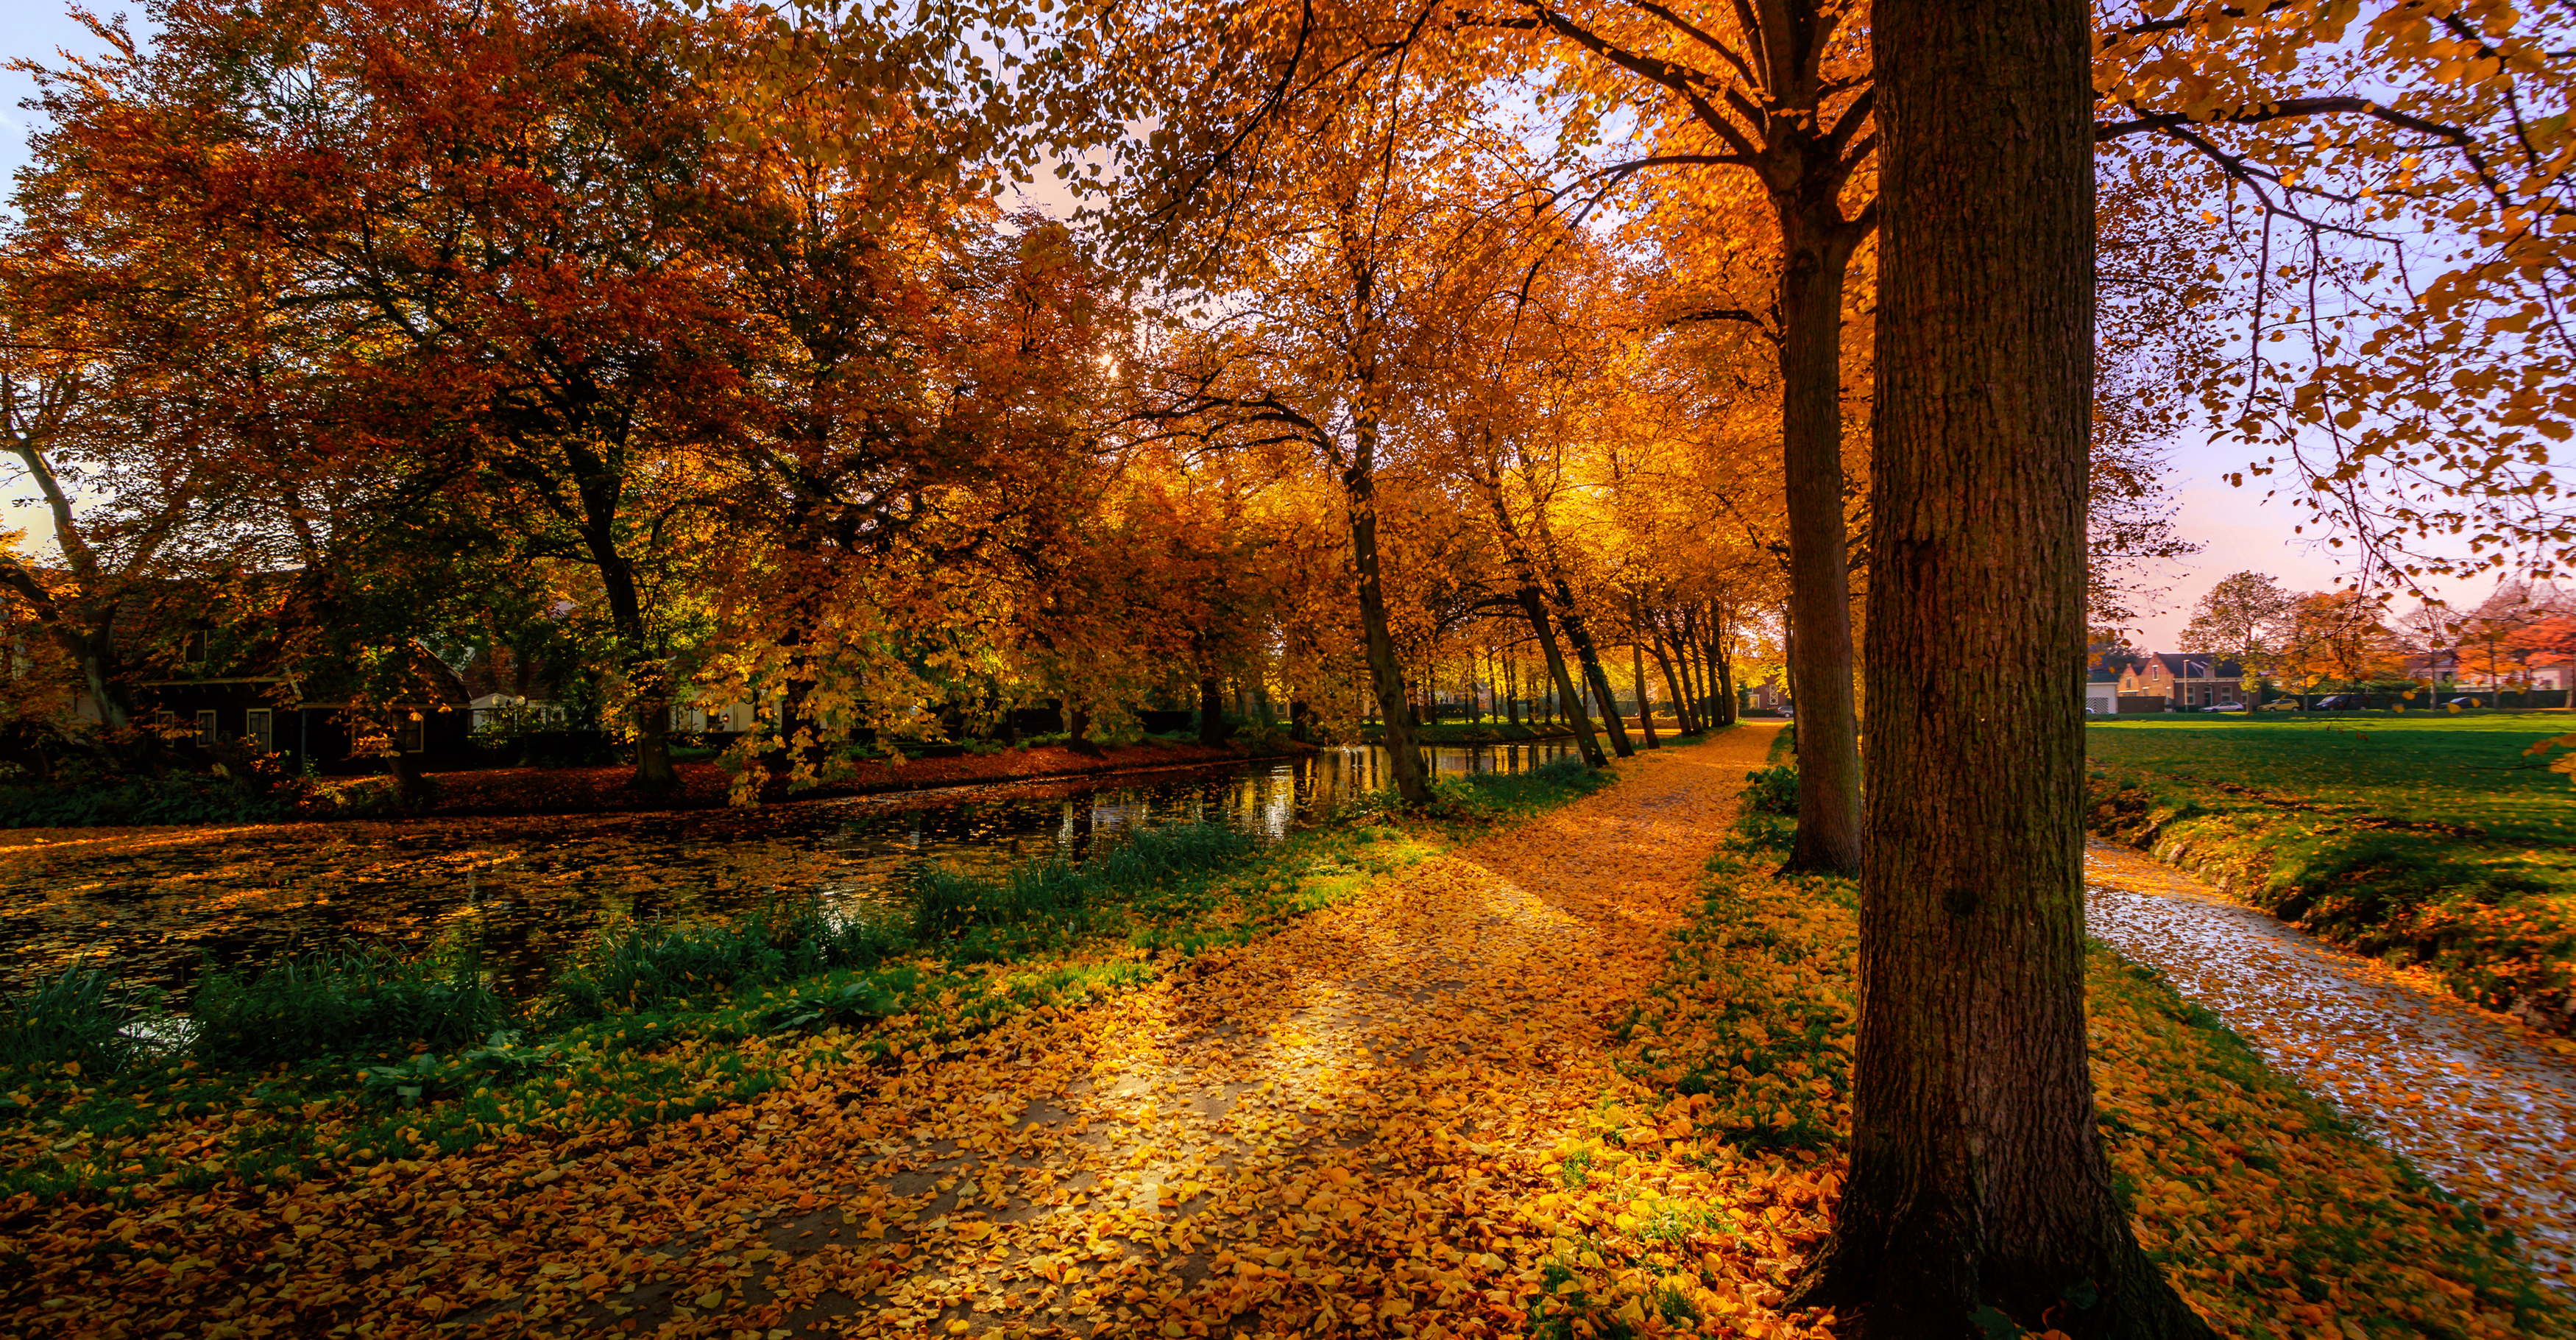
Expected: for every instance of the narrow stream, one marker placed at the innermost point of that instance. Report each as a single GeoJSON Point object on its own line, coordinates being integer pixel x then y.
{"type": "Point", "coordinates": [160, 905]}
{"type": "Point", "coordinates": [2480, 1104]}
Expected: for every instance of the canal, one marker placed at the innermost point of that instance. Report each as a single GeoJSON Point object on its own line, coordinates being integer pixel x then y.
{"type": "Point", "coordinates": [160, 906]}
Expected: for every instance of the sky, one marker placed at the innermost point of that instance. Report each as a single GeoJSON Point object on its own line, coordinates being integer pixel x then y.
{"type": "Point", "coordinates": [2235, 527]}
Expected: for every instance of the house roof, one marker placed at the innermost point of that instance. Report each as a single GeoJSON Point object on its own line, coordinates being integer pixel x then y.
{"type": "Point", "coordinates": [2199, 665]}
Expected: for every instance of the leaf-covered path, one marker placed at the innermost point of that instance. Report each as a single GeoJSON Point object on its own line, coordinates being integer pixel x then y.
{"type": "Point", "coordinates": [1343, 1128]}
{"type": "Point", "coordinates": [1331, 1128]}
{"type": "Point", "coordinates": [2481, 1104]}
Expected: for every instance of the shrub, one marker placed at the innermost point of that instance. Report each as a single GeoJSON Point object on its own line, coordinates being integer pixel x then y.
{"type": "Point", "coordinates": [180, 798]}
{"type": "Point", "coordinates": [343, 1002]}
{"type": "Point", "coordinates": [78, 1017]}
{"type": "Point", "coordinates": [1772, 790]}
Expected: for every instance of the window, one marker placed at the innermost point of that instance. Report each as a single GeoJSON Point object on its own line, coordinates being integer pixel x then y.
{"type": "Point", "coordinates": [196, 649]}
{"type": "Point", "coordinates": [255, 727]}
{"type": "Point", "coordinates": [206, 734]}
{"type": "Point", "coordinates": [410, 737]}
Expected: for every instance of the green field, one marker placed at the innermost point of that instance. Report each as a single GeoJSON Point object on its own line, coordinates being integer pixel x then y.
{"type": "Point", "coordinates": [2431, 840]}
{"type": "Point", "coordinates": [2466, 770]}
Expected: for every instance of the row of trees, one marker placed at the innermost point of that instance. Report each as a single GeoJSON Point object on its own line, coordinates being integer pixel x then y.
{"type": "Point", "coordinates": [2350, 637]}
{"type": "Point", "coordinates": [500, 331]}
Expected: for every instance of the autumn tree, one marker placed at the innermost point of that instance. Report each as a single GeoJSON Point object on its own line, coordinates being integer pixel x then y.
{"type": "Point", "coordinates": [2246, 618]}
{"type": "Point", "coordinates": [1328, 228]}
{"type": "Point", "coordinates": [130, 499]}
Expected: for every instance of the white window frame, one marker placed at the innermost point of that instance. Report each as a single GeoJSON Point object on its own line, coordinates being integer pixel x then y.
{"type": "Point", "coordinates": [412, 736]}
{"type": "Point", "coordinates": [259, 726]}
{"type": "Point", "coordinates": [206, 728]}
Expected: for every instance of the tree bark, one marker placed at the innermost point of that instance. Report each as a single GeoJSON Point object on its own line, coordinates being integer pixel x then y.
{"type": "Point", "coordinates": [1817, 246]}
{"type": "Point", "coordinates": [1211, 710]}
{"type": "Point", "coordinates": [1645, 716]}
{"type": "Point", "coordinates": [1534, 604]}
{"type": "Point", "coordinates": [1978, 1183]}
{"type": "Point", "coordinates": [647, 676]}
{"type": "Point", "coordinates": [1386, 677]}
{"type": "Point", "coordinates": [1588, 656]}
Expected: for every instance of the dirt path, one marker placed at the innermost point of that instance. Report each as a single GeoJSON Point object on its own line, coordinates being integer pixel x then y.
{"type": "Point", "coordinates": [2480, 1104]}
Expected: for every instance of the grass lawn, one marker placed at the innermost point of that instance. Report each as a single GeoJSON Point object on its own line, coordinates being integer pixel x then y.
{"type": "Point", "coordinates": [2420, 838]}
{"type": "Point", "coordinates": [2466, 770]}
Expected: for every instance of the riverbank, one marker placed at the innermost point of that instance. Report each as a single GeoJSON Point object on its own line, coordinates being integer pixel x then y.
{"type": "Point", "coordinates": [2432, 844]}
{"type": "Point", "coordinates": [494, 792]}
{"type": "Point", "coordinates": [2482, 1105]}
{"type": "Point", "coordinates": [333, 1066]}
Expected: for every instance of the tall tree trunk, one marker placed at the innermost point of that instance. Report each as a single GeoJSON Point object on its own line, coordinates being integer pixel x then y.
{"type": "Point", "coordinates": [646, 675]}
{"type": "Point", "coordinates": [1534, 604]}
{"type": "Point", "coordinates": [1386, 677]}
{"type": "Point", "coordinates": [1682, 710]}
{"type": "Point", "coordinates": [1676, 663]}
{"type": "Point", "coordinates": [1589, 657]}
{"type": "Point", "coordinates": [1978, 1180]}
{"type": "Point", "coordinates": [1645, 716]}
{"type": "Point", "coordinates": [1211, 710]}
{"type": "Point", "coordinates": [1817, 245]}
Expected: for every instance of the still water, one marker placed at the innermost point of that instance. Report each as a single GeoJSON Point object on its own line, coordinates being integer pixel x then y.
{"type": "Point", "coordinates": [161, 905]}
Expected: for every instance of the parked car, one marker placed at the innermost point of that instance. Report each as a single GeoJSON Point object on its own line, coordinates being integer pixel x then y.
{"type": "Point", "coordinates": [2284, 705]}
{"type": "Point", "coordinates": [2226, 707]}
{"type": "Point", "coordinates": [2339, 702]}
{"type": "Point", "coordinates": [2465, 700]}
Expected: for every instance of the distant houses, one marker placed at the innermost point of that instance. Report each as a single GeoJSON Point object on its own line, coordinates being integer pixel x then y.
{"type": "Point", "coordinates": [2123, 682]}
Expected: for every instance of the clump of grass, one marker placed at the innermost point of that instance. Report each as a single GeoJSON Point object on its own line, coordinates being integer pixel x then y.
{"type": "Point", "coordinates": [80, 1018]}
{"type": "Point", "coordinates": [630, 966]}
{"type": "Point", "coordinates": [1481, 797]}
{"type": "Point", "coordinates": [342, 1002]}
{"type": "Point", "coordinates": [1061, 898]}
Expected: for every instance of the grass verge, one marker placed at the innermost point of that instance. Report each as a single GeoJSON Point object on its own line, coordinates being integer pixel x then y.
{"type": "Point", "coordinates": [2267, 1210]}
{"type": "Point", "coordinates": [372, 1063]}
{"type": "Point", "coordinates": [2432, 844]}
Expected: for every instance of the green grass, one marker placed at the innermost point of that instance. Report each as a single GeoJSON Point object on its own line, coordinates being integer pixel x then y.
{"type": "Point", "coordinates": [2256, 1198]}
{"type": "Point", "coordinates": [2419, 767]}
{"type": "Point", "coordinates": [2419, 839]}
{"type": "Point", "coordinates": [370, 1060]}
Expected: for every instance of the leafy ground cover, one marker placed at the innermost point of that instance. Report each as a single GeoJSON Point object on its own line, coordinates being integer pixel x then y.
{"type": "Point", "coordinates": [344, 1059]}
{"type": "Point", "coordinates": [2271, 1214]}
{"type": "Point", "coordinates": [2426, 841]}
{"type": "Point", "coordinates": [1016, 1140]}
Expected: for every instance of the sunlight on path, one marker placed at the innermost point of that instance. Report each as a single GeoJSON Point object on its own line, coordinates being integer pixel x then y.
{"type": "Point", "coordinates": [1325, 1129]}
{"type": "Point", "coordinates": [2474, 1099]}
{"type": "Point", "coordinates": [1331, 1130]}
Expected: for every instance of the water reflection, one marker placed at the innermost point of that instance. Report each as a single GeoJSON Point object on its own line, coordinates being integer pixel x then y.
{"type": "Point", "coordinates": [524, 893]}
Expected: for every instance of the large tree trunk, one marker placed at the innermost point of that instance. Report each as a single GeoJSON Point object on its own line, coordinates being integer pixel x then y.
{"type": "Point", "coordinates": [1672, 684]}
{"type": "Point", "coordinates": [1645, 714]}
{"type": "Point", "coordinates": [1589, 657]}
{"type": "Point", "coordinates": [1978, 1179]}
{"type": "Point", "coordinates": [1211, 710]}
{"type": "Point", "coordinates": [1817, 246]}
{"type": "Point", "coordinates": [1386, 677]}
{"type": "Point", "coordinates": [101, 671]}
{"type": "Point", "coordinates": [647, 677]}
{"type": "Point", "coordinates": [1534, 604]}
